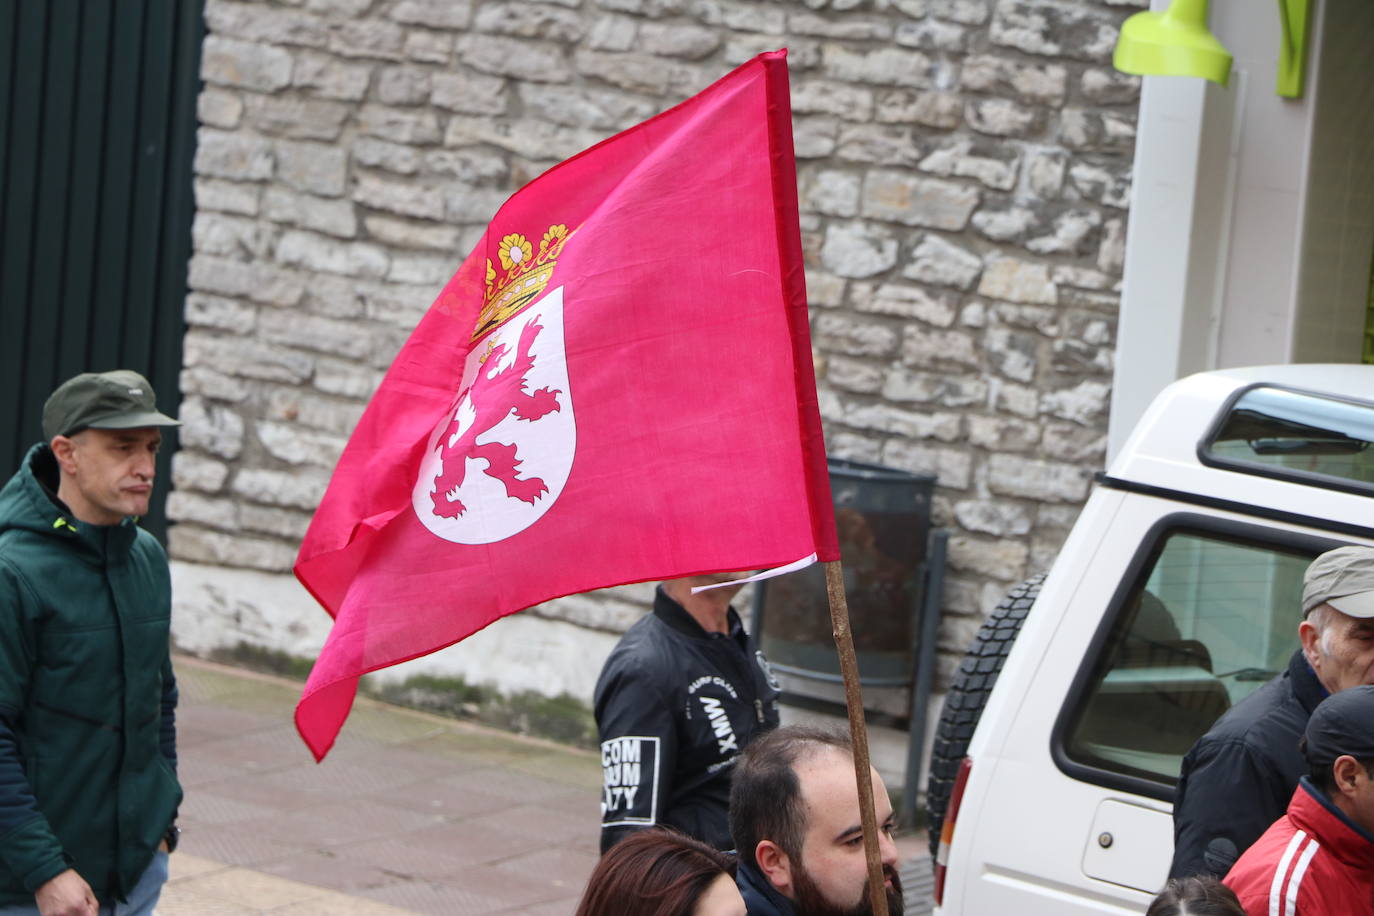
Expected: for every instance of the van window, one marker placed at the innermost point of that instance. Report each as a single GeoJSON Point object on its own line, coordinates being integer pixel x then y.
{"type": "Point", "coordinates": [1318, 440]}
{"type": "Point", "coordinates": [1213, 619]}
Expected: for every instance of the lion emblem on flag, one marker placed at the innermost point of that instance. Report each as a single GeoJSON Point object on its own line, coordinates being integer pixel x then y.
{"type": "Point", "coordinates": [496, 393]}
{"type": "Point", "coordinates": [499, 457]}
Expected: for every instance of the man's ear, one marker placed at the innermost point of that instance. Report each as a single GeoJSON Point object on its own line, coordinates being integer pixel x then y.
{"type": "Point", "coordinates": [1347, 773]}
{"type": "Point", "coordinates": [1308, 635]}
{"type": "Point", "coordinates": [775, 865]}
{"type": "Point", "coordinates": [62, 448]}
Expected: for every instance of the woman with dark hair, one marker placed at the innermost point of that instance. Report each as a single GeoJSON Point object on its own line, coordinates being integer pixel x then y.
{"type": "Point", "coordinates": [662, 872]}
{"type": "Point", "coordinates": [1200, 896]}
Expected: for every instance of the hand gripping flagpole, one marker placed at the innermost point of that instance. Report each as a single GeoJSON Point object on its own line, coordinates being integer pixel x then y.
{"type": "Point", "coordinates": [858, 732]}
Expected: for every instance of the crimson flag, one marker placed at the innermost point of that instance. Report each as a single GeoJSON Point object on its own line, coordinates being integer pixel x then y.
{"type": "Point", "coordinates": [616, 386]}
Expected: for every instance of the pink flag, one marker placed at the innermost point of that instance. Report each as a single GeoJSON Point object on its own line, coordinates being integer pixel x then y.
{"type": "Point", "coordinates": [616, 386]}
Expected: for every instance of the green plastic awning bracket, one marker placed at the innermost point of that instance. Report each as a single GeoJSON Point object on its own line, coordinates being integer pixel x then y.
{"type": "Point", "coordinates": [1175, 42]}
{"type": "Point", "coordinates": [1294, 14]}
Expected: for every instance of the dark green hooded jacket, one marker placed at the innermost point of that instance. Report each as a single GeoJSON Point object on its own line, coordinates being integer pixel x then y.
{"type": "Point", "coordinates": [87, 697]}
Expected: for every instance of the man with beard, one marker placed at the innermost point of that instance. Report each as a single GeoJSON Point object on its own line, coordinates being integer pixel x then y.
{"type": "Point", "coordinates": [794, 816]}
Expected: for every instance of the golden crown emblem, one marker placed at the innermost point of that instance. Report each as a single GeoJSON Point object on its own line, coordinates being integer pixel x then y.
{"type": "Point", "coordinates": [524, 275]}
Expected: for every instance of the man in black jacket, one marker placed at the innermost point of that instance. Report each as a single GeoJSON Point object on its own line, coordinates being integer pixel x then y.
{"type": "Point", "coordinates": [1237, 779]}
{"type": "Point", "coordinates": [794, 814]}
{"type": "Point", "coordinates": [682, 693]}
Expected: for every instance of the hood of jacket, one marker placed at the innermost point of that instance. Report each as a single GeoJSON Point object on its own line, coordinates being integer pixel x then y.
{"type": "Point", "coordinates": [29, 503]}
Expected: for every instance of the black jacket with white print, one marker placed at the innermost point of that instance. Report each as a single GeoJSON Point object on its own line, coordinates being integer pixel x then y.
{"type": "Point", "coordinates": [674, 707]}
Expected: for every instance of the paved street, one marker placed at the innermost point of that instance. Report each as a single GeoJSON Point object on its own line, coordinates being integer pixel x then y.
{"type": "Point", "coordinates": [409, 813]}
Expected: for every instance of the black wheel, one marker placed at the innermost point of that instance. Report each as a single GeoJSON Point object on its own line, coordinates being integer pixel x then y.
{"type": "Point", "coordinates": [969, 693]}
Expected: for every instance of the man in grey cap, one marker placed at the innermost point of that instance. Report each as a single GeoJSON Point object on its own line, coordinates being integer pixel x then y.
{"type": "Point", "coordinates": [1238, 778]}
{"type": "Point", "coordinates": [88, 787]}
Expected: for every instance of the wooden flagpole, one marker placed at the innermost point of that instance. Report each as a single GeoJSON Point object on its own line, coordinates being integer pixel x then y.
{"type": "Point", "coordinates": [858, 732]}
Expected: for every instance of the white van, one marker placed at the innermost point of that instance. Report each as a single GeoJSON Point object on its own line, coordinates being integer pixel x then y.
{"type": "Point", "coordinates": [1176, 594]}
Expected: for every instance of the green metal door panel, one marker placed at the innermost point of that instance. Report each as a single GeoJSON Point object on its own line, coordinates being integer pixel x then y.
{"type": "Point", "coordinates": [8, 19]}
{"type": "Point", "coordinates": [179, 203]}
{"type": "Point", "coordinates": [16, 237]}
{"type": "Point", "coordinates": [83, 238]}
{"type": "Point", "coordinates": [97, 137]}
{"type": "Point", "coordinates": [149, 167]}
{"type": "Point", "coordinates": [54, 130]}
{"type": "Point", "coordinates": [116, 201]}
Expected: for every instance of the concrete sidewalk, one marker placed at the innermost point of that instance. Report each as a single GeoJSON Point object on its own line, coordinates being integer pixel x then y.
{"type": "Point", "coordinates": [409, 813]}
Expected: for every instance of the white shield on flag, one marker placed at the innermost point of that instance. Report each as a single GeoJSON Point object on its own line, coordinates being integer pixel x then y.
{"type": "Point", "coordinates": [500, 456]}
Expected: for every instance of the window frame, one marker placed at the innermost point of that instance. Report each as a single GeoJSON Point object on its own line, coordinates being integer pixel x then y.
{"type": "Point", "coordinates": [1277, 472]}
{"type": "Point", "coordinates": [1138, 570]}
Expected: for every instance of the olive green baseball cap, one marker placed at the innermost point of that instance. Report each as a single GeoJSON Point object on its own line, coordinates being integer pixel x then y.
{"type": "Point", "coordinates": [120, 399]}
{"type": "Point", "coordinates": [1342, 578]}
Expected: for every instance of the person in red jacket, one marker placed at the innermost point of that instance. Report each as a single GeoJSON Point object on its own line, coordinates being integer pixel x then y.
{"type": "Point", "coordinates": [1319, 857]}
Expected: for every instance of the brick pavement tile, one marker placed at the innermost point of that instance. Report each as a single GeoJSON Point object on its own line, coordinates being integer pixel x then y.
{"type": "Point", "coordinates": [207, 807]}
{"type": "Point", "coordinates": [568, 864]}
{"type": "Point", "coordinates": [281, 737]}
{"type": "Point", "coordinates": [376, 818]}
{"type": "Point", "coordinates": [191, 731]}
{"type": "Point", "coordinates": [339, 779]}
{"type": "Point", "coordinates": [571, 768]}
{"type": "Point", "coordinates": [252, 889]}
{"type": "Point", "coordinates": [563, 867]}
{"type": "Point", "coordinates": [234, 689]}
{"type": "Point", "coordinates": [334, 869]}
{"type": "Point", "coordinates": [416, 764]}
{"type": "Point", "coordinates": [339, 905]}
{"type": "Point", "coordinates": [473, 747]}
{"type": "Point", "coordinates": [259, 792]}
{"type": "Point", "coordinates": [519, 787]}
{"type": "Point", "coordinates": [194, 770]}
{"type": "Point", "coordinates": [390, 725]}
{"type": "Point", "coordinates": [233, 844]}
{"type": "Point", "coordinates": [182, 866]}
{"type": "Point", "coordinates": [503, 886]}
{"type": "Point", "coordinates": [352, 747]}
{"type": "Point", "coordinates": [552, 908]}
{"type": "Point", "coordinates": [443, 797]}
{"type": "Point", "coordinates": [585, 804]}
{"type": "Point", "coordinates": [471, 842]}
{"type": "Point", "coordinates": [407, 858]}
{"type": "Point", "coordinates": [307, 830]}
{"type": "Point", "coordinates": [302, 783]}
{"type": "Point", "coordinates": [202, 722]}
{"type": "Point", "coordinates": [543, 826]}
{"type": "Point", "coordinates": [437, 899]}
{"type": "Point", "coordinates": [198, 682]}
{"type": "Point", "coordinates": [183, 900]}
{"type": "Point", "coordinates": [277, 709]}
{"type": "Point", "coordinates": [265, 749]}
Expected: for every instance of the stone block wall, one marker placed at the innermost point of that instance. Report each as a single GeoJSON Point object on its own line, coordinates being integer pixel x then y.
{"type": "Point", "coordinates": [963, 170]}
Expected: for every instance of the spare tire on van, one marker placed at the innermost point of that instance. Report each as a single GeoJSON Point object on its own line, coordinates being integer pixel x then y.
{"type": "Point", "coordinates": [968, 694]}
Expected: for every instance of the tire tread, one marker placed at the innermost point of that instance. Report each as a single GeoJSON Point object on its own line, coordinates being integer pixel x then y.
{"type": "Point", "coordinates": [968, 694]}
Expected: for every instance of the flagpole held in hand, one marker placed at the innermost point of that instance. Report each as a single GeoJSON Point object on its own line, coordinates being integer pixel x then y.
{"type": "Point", "coordinates": [858, 732]}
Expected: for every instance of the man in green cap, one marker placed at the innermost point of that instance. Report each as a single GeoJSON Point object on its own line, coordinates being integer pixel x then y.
{"type": "Point", "coordinates": [88, 787]}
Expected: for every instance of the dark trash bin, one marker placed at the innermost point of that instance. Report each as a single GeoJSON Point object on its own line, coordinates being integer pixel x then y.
{"type": "Point", "coordinates": [883, 519]}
